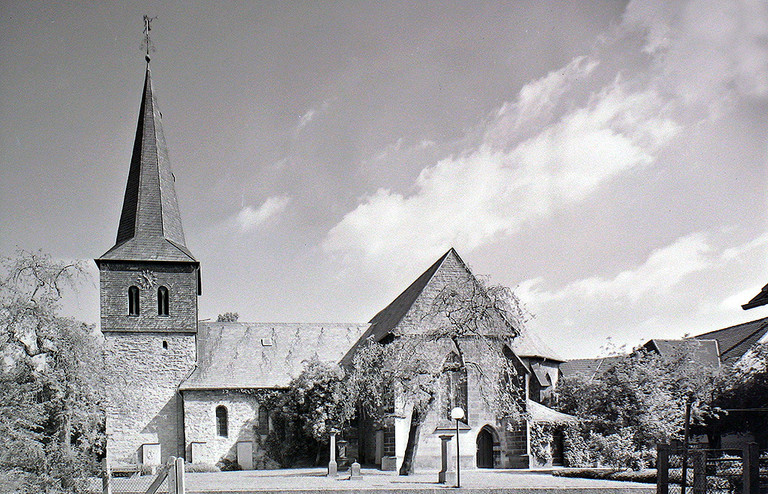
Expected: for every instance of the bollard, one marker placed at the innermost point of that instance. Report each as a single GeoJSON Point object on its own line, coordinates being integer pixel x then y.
{"type": "Point", "coordinates": [332, 466]}
{"type": "Point", "coordinates": [446, 475]}
{"type": "Point", "coordinates": [354, 471]}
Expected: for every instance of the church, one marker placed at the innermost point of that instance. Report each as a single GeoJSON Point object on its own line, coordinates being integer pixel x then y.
{"type": "Point", "coordinates": [178, 386]}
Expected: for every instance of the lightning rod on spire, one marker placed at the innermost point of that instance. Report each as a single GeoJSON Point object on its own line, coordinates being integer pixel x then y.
{"type": "Point", "coordinates": [147, 41]}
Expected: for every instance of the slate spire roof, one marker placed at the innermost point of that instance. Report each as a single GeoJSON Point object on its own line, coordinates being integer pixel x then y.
{"type": "Point", "coordinates": [150, 223]}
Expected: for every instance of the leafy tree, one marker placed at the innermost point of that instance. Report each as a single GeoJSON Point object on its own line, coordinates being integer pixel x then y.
{"type": "Point", "coordinates": [315, 403]}
{"type": "Point", "coordinates": [51, 422]}
{"type": "Point", "coordinates": [637, 401]}
{"type": "Point", "coordinates": [468, 319]}
{"type": "Point", "coordinates": [228, 317]}
{"type": "Point", "coordinates": [744, 386]}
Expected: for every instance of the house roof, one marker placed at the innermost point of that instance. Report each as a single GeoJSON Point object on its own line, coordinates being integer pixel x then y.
{"type": "Point", "coordinates": [240, 355]}
{"type": "Point", "coordinates": [702, 351]}
{"type": "Point", "coordinates": [589, 367]}
{"type": "Point", "coordinates": [528, 344]}
{"type": "Point", "coordinates": [758, 300]}
{"type": "Point", "coordinates": [733, 342]}
{"type": "Point", "coordinates": [150, 223]}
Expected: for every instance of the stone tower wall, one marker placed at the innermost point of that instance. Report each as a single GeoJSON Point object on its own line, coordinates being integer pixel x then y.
{"type": "Point", "coordinates": [147, 357]}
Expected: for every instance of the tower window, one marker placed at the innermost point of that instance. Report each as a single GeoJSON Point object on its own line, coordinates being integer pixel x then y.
{"type": "Point", "coordinates": [165, 345]}
{"type": "Point", "coordinates": [133, 301]}
{"type": "Point", "coordinates": [222, 422]}
{"type": "Point", "coordinates": [162, 301]}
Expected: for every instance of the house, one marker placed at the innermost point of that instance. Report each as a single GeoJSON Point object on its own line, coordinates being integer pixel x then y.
{"type": "Point", "coordinates": [177, 386]}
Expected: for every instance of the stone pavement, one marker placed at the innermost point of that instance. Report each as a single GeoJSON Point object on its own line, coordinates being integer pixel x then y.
{"type": "Point", "coordinates": [313, 480]}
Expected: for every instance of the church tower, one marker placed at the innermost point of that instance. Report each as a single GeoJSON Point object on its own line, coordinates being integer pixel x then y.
{"type": "Point", "coordinates": [149, 284]}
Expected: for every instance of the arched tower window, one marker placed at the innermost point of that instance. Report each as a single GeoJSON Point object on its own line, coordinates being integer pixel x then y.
{"type": "Point", "coordinates": [222, 422]}
{"type": "Point", "coordinates": [133, 301]}
{"type": "Point", "coordinates": [162, 301]}
{"type": "Point", "coordinates": [456, 384]}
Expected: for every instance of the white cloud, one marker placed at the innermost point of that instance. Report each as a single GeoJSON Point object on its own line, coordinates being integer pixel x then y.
{"type": "Point", "coordinates": [249, 218]}
{"type": "Point", "coordinates": [663, 270]}
{"type": "Point", "coordinates": [504, 181]}
{"type": "Point", "coordinates": [707, 51]}
{"type": "Point", "coordinates": [693, 285]}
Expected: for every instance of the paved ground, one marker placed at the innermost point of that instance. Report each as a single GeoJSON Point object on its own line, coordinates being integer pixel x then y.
{"type": "Point", "coordinates": [300, 481]}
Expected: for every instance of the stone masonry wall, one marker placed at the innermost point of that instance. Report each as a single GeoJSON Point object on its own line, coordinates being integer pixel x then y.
{"type": "Point", "coordinates": [200, 423]}
{"type": "Point", "coordinates": [479, 413]}
{"type": "Point", "coordinates": [143, 404]}
{"type": "Point", "coordinates": [179, 278]}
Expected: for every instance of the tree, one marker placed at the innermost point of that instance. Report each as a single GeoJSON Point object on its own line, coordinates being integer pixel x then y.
{"type": "Point", "coordinates": [51, 421]}
{"type": "Point", "coordinates": [463, 331]}
{"type": "Point", "coordinates": [316, 402]}
{"type": "Point", "coordinates": [638, 401]}
{"type": "Point", "coordinates": [743, 386]}
{"type": "Point", "coordinates": [228, 317]}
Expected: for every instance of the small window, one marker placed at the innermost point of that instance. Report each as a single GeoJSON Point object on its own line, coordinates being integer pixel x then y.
{"type": "Point", "coordinates": [222, 422]}
{"type": "Point", "coordinates": [133, 301]}
{"type": "Point", "coordinates": [165, 345]}
{"type": "Point", "coordinates": [162, 301]}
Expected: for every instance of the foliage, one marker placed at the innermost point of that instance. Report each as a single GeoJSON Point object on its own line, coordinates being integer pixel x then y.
{"type": "Point", "coordinates": [228, 317]}
{"type": "Point", "coordinates": [635, 403]}
{"type": "Point", "coordinates": [743, 386]}
{"type": "Point", "coordinates": [315, 403]}
{"type": "Point", "coordinates": [647, 476]}
{"type": "Point", "coordinates": [51, 420]}
{"type": "Point", "coordinates": [541, 441]}
{"type": "Point", "coordinates": [406, 371]}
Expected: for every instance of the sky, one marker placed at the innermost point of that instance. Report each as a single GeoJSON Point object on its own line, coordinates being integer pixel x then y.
{"type": "Point", "coordinates": [606, 160]}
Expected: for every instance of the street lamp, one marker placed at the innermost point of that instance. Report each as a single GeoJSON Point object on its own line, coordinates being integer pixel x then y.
{"type": "Point", "coordinates": [457, 414]}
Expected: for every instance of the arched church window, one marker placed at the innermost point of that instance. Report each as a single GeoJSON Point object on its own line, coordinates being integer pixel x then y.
{"type": "Point", "coordinates": [133, 301]}
{"type": "Point", "coordinates": [222, 421]}
{"type": "Point", "coordinates": [456, 384]}
{"type": "Point", "coordinates": [162, 301]}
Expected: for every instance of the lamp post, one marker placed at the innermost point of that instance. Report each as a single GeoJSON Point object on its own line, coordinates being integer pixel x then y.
{"type": "Point", "coordinates": [457, 414]}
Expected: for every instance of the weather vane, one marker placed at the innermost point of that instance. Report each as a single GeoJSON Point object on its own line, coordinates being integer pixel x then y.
{"type": "Point", "coordinates": [147, 41]}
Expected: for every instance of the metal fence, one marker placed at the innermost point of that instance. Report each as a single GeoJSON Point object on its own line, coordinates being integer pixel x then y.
{"type": "Point", "coordinates": [166, 479]}
{"type": "Point", "coordinates": [711, 471]}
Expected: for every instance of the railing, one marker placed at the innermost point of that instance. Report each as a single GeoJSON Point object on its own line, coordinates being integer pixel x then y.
{"type": "Point", "coordinates": [710, 471]}
{"type": "Point", "coordinates": [168, 478]}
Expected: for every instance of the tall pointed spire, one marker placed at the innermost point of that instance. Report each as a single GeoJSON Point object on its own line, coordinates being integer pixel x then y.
{"type": "Point", "coordinates": [150, 223]}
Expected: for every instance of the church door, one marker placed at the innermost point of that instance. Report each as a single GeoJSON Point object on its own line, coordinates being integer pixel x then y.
{"type": "Point", "coordinates": [485, 449]}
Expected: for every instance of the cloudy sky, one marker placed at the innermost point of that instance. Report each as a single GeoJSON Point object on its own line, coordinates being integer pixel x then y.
{"type": "Point", "coordinates": [607, 160]}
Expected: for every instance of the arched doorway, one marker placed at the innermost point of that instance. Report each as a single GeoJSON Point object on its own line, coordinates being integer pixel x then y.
{"type": "Point", "coordinates": [487, 443]}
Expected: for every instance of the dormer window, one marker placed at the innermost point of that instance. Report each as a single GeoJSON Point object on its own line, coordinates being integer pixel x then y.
{"type": "Point", "coordinates": [162, 301]}
{"type": "Point", "coordinates": [133, 301]}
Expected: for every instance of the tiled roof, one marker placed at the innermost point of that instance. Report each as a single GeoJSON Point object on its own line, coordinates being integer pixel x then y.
{"type": "Point", "coordinates": [703, 351]}
{"type": "Point", "coordinates": [528, 344]}
{"type": "Point", "coordinates": [589, 367]}
{"type": "Point", "coordinates": [733, 342]}
{"type": "Point", "coordinates": [239, 355]}
{"type": "Point", "coordinates": [150, 223]}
